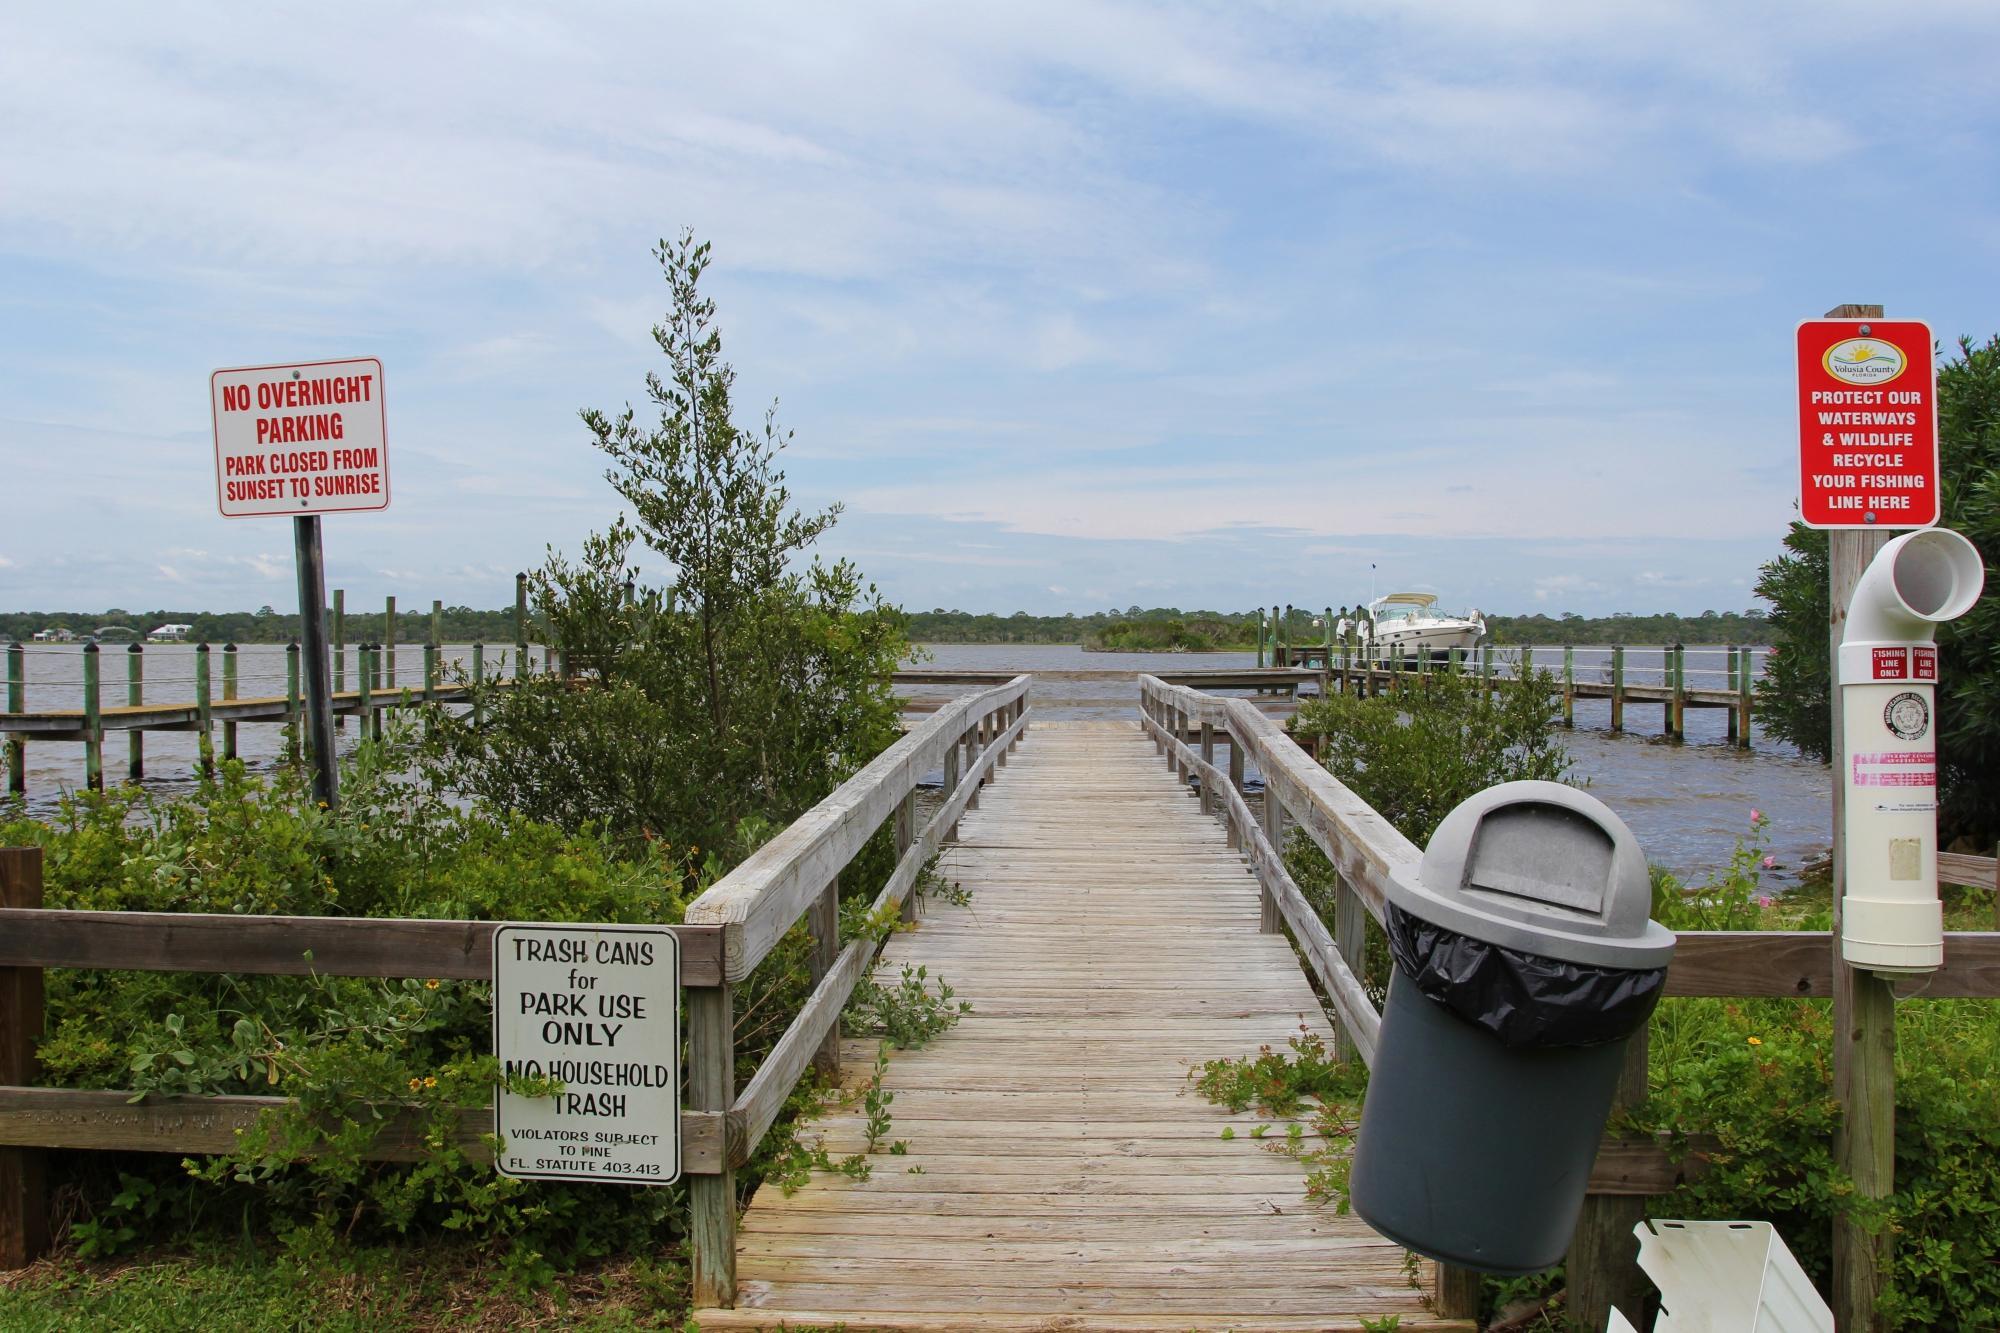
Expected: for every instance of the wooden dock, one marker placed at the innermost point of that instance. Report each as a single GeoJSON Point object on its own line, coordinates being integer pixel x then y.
{"type": "Point", "coordinates": [1061, 1171]}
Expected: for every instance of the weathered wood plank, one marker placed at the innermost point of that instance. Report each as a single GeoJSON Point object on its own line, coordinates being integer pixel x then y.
{"type": "Point", "coordinates": [282, 945]}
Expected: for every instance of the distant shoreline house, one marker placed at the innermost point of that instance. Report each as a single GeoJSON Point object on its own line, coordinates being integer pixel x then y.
{"type": "Point", "coordinates": [56, 634]}
{"type": "Point", "coordinates": [169, 634]}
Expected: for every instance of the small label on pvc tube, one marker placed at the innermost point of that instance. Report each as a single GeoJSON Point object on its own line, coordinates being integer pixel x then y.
{"type": "Point", "coordinates": [1908, 717]}
{"type": "Point", "coordinates": [1926, 661]}
{"type": "Point", "coordinates": [1890, 663]}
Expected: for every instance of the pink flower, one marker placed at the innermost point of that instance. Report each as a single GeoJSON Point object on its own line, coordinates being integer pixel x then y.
{"type": "Point", "coordinates": [1764, 901]}
{"type": "Point", "coordinates": [1755, 815]}
{"type": "Point", "coordinates": [1770, 863]}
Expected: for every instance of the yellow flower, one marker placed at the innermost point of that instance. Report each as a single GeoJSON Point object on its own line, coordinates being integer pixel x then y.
{"type": "Point", "coordinates": [430, 1082]}
{"type": "Point", "coordinates": [1755, 1041]}
{"type": "Point", "coordinates": [432, 984]}
{"type": "Point", "coordinates": [415, 1084]}
{"type": "Point", "coordinates": [693, 850]}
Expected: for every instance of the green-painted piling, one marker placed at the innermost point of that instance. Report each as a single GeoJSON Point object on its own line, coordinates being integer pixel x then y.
{"type": "Point", "coordinates": [135, 694]}
{"type": "Point", "coordinates": [339, 651]}
{"type": "Point", "coordinates": [1456, 665]}
{"type": "Point", "coordinates": [228, 694]}
{"type": "Point", "coordinates": [365, 655]}
{"type": "Point", "coordinates": [520, 625]}
{"type": "Point", "coordinates": [17, 702]}
{"type": "Point", "coordinates": [478, 682]}
{"type": "Point", "coordinates": [437, 621]}
{"type": "Point", "coordinates": [1746, 667]}
{"type": "Point", "coordinates": [389, 646]}
{"type": "Point", "coordinates": [204, 712]}
{"type": "Point", "coordinates": [93, 719]}
{"type": "Point", "coordinates": [1569, 686]}
{"type": "Point", "coordinates": [1618, 687]}
{"type": "Point", "coordinates": [295, 718]}
{"type": "Point", "coordinates": [1678, 704]}
{"type": "Point", "coordinates": [430, 672]}
{"type": "Point", "coordinates": [1486, 666]}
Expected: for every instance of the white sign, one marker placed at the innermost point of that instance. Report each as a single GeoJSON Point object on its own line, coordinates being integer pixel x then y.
{"type": "Point", "coordinates": [596, 1009]}
{"type": "Point", "coordinates": [302, 439]}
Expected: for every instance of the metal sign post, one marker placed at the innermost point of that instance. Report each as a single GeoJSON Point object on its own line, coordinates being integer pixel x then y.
{"type": "Point", "coordinates": [312, 642]}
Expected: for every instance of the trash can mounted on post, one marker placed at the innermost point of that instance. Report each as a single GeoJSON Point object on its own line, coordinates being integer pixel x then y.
{"type": "Point", "coordinates": [1525, 957]}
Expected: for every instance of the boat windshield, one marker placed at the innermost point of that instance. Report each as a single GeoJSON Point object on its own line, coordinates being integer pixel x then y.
{"type": "Point", "coordinates": [1386, 614]}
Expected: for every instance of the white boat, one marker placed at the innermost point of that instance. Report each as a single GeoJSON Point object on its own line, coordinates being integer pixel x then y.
{"type": "Point", "coordinates": [1411, 621]}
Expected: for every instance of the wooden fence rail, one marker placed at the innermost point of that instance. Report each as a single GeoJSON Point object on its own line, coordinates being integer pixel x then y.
{"type": "Point", "coordinates": [1365, 849]}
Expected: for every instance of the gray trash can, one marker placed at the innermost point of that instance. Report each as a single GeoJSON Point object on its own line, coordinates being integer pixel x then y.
{"type": "Point", "coordinates": [1525, 957]}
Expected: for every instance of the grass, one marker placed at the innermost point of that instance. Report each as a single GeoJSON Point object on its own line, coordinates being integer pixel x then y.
{"type": "Point", "coordinates": [365, 1290]}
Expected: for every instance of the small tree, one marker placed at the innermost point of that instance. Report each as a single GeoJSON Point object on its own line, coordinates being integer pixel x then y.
{"type": "Point", "coordinates": [1794, 698]}
{"type": "Point", "coordinates": [737, 694]}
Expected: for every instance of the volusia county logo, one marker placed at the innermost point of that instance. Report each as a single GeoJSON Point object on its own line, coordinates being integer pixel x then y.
{"type": "Point", "coordinates": [1864, 361]}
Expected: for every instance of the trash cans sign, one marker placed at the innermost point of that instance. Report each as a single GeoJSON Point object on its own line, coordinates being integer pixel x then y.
{"type": "Point", "coordinates": [594, 1010]}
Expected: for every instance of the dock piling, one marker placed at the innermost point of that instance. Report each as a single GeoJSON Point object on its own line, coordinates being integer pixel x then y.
{"type": "Point", "coordinates": [203, 710]}
{"type": "Point", "coordinates": [389, 647]}
{"type": "Point", "coordinates": [1746, 664]}
{"type": "Point", "coordinates": [135, 695]}
{"type": "Point", "coordinates": [1569, 686]}
{"type": "Point", "coordinates": [340, 650]}
{"type": "Point", "coordinates": [93, 719]}
{"type": "Point", "coordinates": [520, 626]}
{"type": "Point", "coordinates": [228, 694]}
{"type": "Point", "coordinates": [1618, 687]}
{"type": "Point", "coordinates": [294, 718]}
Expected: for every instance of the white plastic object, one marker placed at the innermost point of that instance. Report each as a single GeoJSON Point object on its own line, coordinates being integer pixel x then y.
{"type": "Point", "coordinates": [1891, 920]}
{"type": "Point", "coordinates": [1734, 1276]}
{"type": "Point", "coordinates": [1619, 1323]}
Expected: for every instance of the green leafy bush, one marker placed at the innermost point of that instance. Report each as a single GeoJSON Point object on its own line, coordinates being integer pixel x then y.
{"type": "Point", "coordinates": [1417, 756]}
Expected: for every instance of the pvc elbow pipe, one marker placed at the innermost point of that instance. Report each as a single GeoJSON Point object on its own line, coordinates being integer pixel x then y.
{"type": "Point", "coordinates": [1913, 584]}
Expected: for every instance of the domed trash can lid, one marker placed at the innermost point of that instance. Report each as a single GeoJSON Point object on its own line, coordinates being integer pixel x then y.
{"type": "Point", "coordinates": [1542, 869]}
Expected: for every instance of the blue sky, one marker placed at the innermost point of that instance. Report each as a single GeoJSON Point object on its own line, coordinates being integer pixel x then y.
{"type": "Point", "coordinates": [1073, 304]}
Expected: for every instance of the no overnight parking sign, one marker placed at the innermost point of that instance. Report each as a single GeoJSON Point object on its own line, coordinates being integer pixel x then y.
{"type": "Point", "coordinates": [308, 438]}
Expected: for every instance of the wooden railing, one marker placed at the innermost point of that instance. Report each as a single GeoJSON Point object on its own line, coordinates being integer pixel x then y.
{"type": "Point", "coordinates": [729, 930]}
{"type": "Point", "coordinates": [1365, 849]}
{"type": "Point", "coordinates": [797, 874]}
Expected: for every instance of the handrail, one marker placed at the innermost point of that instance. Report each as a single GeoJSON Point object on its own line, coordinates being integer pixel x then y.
{"type": "Point", "coordinates": [758, 901]}
{"type": "Point", "coordinates": [797, 874]}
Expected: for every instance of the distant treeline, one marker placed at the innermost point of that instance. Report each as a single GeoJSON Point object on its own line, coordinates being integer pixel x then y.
{"type": "Point", "coordinates": [456, 624]}
{"type": "Point", "coordinates": [1169, 629]}
{"type": "Point", "coordinates": [1135, 629]}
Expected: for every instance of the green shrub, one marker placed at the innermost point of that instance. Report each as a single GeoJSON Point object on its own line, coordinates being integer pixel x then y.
{"type": "Point", "coordinates": [1417, 756]}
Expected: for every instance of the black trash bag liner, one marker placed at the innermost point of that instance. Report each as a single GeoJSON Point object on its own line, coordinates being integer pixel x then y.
{"type": "Point", "coordinates": [1521, 998]}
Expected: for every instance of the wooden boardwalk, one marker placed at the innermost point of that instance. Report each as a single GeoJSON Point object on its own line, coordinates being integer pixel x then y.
{"type": "Point", "coordinates": [1061, 1171]}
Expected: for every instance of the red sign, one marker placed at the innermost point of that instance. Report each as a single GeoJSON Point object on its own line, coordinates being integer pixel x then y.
{"type": "Point", "coordinates": [1926, 663]}
{"type": "Point", "coordinates": [1868, 452]}
{"type": "Point", "coordinates": [1892, 663]}
{"type": "Point", "coordinates": [300, 439]}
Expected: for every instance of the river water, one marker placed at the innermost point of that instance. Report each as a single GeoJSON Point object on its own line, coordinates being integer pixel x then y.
{"type": "Point", "coordinates": [1687, 802]}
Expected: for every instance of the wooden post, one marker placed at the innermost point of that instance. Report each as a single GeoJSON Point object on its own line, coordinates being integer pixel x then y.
{"type": "Point", "coordinates": [1746, 668]}
{"type": "Point", "coordinates": [1527, 661]}
{"type": "Point", "coordinates": [478, 682]}
{"type": "Point", "coordinates": [135, 694]}
{"type": "Point", "coordinates": [365, 662]}
{"type": "Point", "coordinates": [1236, 781]}
{"type": "Point", "coordinates": [1178, 717]}
{"type": "Point", "coordinates": [1326, 657]}
{"type": "Point", "coordinates": [339, 647]}
{"type": "Point", "coordinates": [17, 702]}
{"type": "Point", "coordinates": [906, 823]}
{"type": "Point", "coordinates": [294, 715]}
{"type": "Point", "coordinates": [823, 920]}
{"type": "Point", "coordinates": [1486, 668]}
{"type": "Point", "coordinates": [1569, 686]}
{"type": "Point", "coordinates": [951, 784]}
{"type": "Point", "coordinates": [1729, 676]}
{"type": "Point", "coordinates": [1269, 921]}
{"type": "Point", "coordinates": [389, 645]}
{"type": "Point", "coordinates": [712, 1198]}
{"type": "Point", "coordinates": [24, 1223]}
{"type": "Point", "coordinates": [1260, 636]}
{"type": "Point", "coordinates": [1603, 1266]}
{"type": "Point", "coordinates": [1456, 664]}
{"type": "Point", "coordinates": [93, 719]}
{"type": "Point", "coordinates": [203, 714]}
{"type": "Point", "coordinates": [1618, 687]}
{"type": "Point", "coordinates": [437, 620]}
{"type": "Point", "coordinates": [1864, 1008]}
{"type": "Point", "coordinates": [309, 555]}
{"type": "Point", "coordinates": [520, 626]}
{"type": "Point", "coordinates": [1285, 637]}
{"type": "Point", "coordinates": [1350, 939]}
{"type": "Point", "coordinates": [430, 672]}
{"type": "Point", "coordinates": [1670, 675]}
{"type": "Point", "coordinates": [1207, 757]}
{"type": "Point", "coordinates": [1457, 1293]}
{"type": "Point", "coordinates": [228, 693]}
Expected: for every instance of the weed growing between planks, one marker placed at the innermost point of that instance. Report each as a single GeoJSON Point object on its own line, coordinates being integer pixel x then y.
{"type": "Point", "coordinates": [1305, 1087]}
